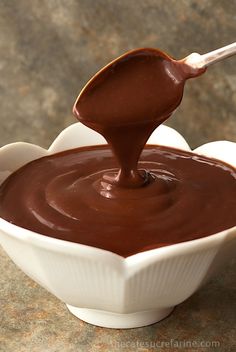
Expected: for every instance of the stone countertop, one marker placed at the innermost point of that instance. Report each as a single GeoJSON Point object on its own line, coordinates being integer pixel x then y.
{"type": "Point", "coordinates": [33, 320]}
{"type": "Point", "coordinates": [49, 49]}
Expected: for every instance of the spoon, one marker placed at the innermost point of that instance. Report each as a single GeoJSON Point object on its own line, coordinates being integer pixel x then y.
{"type": "Point", "coordinates": [131, 96]}
{"type": "Point", "coordinates": [197, 61]}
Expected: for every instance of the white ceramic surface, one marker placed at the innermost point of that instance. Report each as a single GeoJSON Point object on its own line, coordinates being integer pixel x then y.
{"type": "Point", "coordinates": [99, 286]}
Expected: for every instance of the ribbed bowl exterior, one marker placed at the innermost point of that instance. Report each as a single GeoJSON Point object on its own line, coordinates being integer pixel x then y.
{"type": "Point", "coordinates": [98, 279]}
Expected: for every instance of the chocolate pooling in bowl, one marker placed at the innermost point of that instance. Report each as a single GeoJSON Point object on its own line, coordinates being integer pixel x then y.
{"type": "Point", "coordinates": [109, 196]}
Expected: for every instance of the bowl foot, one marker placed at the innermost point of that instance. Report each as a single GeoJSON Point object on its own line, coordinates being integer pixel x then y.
{"type": "Point", "coordinates": [120, 321]}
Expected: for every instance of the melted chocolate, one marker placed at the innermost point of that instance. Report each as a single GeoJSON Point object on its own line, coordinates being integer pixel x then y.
{"type": "Point", "coordinates": [111, 198]}
{"type": "Point", "coordinates": [190, 197]}
{"type": "Point", "coordinates": [127, 100]}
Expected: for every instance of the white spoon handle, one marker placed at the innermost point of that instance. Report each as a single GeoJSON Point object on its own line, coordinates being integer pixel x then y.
{"type": "Point", "coordinates": [200, 61]}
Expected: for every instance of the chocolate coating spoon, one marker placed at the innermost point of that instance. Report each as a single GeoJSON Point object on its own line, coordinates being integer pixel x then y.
{"type": "Point", "coordinates": [131, 96]}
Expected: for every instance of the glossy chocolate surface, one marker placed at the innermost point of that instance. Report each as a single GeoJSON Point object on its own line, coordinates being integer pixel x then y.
{"type": "Point", "coordinates": [189, 197]}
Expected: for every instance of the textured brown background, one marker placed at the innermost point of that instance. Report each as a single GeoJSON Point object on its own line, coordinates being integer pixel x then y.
{"type": "Point", "coordinates": [48, 50]}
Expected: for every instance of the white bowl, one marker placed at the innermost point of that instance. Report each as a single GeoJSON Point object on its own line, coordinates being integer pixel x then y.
{"type": "Point", "coordinates": [101, 287]}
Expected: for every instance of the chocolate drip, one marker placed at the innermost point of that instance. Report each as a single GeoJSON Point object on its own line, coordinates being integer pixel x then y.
{"type": "Point", "coordinates": [127, 100]}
